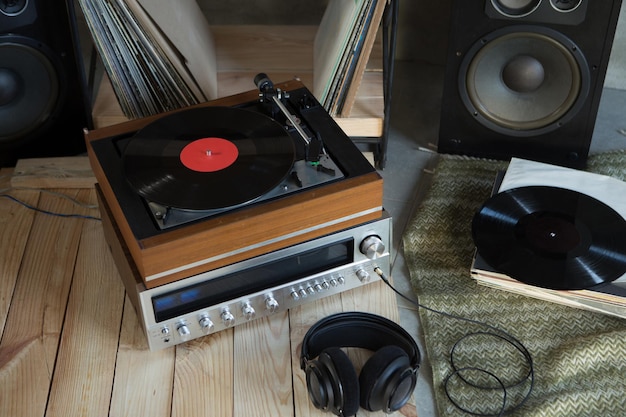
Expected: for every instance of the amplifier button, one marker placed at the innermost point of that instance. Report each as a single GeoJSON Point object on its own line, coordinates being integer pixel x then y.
{"type": "Point", "coordinates": [206, 324]}
{"type": "Point", "coordinates": [227, 318]}
{"type": "Point", "coordinates": [183, 331]}
{"type": "Point", "coordinates": [248, 311]}
{"type": "Point", "coordinates": [363, 275]}
{"type": "Point", "coordinates": [271, 304]}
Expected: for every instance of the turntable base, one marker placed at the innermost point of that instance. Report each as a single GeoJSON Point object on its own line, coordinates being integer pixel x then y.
{"type": "Point", "coordinates": [72, 344]}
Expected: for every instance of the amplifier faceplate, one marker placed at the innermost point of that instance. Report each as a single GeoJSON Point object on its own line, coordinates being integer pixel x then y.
{"type": "Point", "coordinates": [254, 288]}
{"type": "Point", "coordinates": [212, 301]}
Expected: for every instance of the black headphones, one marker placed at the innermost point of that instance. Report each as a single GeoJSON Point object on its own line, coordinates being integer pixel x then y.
{"type": "Point", "coordinates": [387, 379]}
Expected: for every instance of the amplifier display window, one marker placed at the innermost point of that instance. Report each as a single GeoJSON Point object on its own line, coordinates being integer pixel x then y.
{"type": "Point", "coordinates": [238, 284]}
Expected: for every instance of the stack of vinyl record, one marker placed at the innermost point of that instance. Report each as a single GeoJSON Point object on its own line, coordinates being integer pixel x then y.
{"type": "Point", "coordinates": [342, 48]}
{"type": "Point", "coordinates": [154, 66]}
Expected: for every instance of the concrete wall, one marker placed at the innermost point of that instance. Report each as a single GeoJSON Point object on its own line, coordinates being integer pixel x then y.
{"type": "Point", "coordinates": [616, 74]}
{"type": "Point", "coordinates": [260, 12]}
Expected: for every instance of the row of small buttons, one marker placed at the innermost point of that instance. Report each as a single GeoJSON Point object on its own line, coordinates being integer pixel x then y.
{"type": "Point", "coordinates": [316, 287]}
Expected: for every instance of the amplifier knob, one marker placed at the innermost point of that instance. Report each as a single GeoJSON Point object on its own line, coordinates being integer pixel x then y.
{"type": "Point", "coordinates": [227, 318]}
{"type": "Point", "coordinates": [248, 311]}
{"type": "Point", "coordinates": [294, 295]}
{"type": "Point", "coordinates": [325, 285]}
{"type": "Point", "coordinates": [310, 290]}
{"type": "Point", "coordinates": [271, 304]}
{"type": "Point", "coordinates": [318, 287]}
{"type": "Point", "coordinates": [206, 324]}
{"type": "Point", "coordinates": [183, 331]}
{"type": "Point", "coordinates": [372, 247]}
{"type": "Point", "coordinates": [303, 293]}
{"type": "Point", "coordinates": [363, 275]}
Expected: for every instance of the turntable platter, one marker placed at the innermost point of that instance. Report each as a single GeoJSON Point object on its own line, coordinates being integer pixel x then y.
{"type": "Point", "coordinates": [208, 158]}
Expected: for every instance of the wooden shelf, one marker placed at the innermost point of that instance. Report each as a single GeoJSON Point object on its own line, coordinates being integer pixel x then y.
{"type": "Point", "coordinates": [283, 53]}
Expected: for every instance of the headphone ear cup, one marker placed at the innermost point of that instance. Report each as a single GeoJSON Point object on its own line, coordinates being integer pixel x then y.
{"type": "Point", "coordinates": [333, 383]}
{"type": "Point", "coordinates": [383, 380]}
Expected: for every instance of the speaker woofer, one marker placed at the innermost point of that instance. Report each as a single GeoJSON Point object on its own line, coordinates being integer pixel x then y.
{"type": "Point", "coordinates": [30, 88]}
{"type": "Point", "coordinates": [524, 81]}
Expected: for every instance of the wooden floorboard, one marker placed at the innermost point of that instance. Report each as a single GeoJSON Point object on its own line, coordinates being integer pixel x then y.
{"type": "Point", "coordinates": [72, 343]}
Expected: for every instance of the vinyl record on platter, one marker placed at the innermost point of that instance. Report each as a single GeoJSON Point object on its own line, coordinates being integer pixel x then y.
{"type": "Point", "coordinates": [551, 237]}
{"type": "Point", "coordinates": [208, 158]}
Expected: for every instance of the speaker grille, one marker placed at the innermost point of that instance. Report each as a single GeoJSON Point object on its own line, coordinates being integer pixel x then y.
{"type": "Point", "coordinates": [524, 81]}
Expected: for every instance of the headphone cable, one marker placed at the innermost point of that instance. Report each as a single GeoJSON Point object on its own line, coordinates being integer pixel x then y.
{"type": "Point", "coordinates": [495, 332]}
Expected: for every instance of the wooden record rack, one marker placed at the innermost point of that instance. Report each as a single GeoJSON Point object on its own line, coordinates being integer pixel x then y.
{"type": "Point", "coordinates": [169, 255]}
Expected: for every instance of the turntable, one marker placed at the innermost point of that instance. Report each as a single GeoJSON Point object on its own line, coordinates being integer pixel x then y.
{"type": "Point", "coordinates": [211, 185]}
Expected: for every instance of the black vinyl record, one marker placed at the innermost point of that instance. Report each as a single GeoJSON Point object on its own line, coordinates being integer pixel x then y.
{"type": "Point", "coordinates": [551, 237]}
{"type": "Point", "coordinates": [208, 158]}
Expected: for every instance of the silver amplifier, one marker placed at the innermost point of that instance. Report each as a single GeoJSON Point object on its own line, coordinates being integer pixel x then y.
{"type": "Point", "coordinates": [257, 287]}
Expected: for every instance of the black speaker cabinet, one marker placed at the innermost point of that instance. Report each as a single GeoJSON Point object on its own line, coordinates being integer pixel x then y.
{"type": "Point", "coordinates": [43, 101]}
{"type": "Point", "coordinates": [524, 78]}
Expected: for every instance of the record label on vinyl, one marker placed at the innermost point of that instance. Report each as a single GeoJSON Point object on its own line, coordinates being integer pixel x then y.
{"type": "Point", "coordinates": [551, 237]}
{"type": "Point", "coordinates": [209, 154]}
{"type": "Point", "coordinates": [208, 158]}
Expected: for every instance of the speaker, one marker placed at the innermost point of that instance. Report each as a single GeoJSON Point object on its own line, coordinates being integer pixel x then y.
{"type": "Point", "coordinates": [387, 379]}
{"type": "Point", "coordinates": [524, 78]}
{"type": "Point", "coordinates": [44, 105]}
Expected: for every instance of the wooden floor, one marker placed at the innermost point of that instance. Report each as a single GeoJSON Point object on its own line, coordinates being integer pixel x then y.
{"type": "Point", "coordinates": [72, 345]}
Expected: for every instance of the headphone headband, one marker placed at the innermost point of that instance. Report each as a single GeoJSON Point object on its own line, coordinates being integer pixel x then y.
{"type": "Point", "coordinates": [357, 329]}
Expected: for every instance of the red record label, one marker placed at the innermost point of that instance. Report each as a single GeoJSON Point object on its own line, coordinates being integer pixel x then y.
{"type": "Point", "coordinates": [209, 154]}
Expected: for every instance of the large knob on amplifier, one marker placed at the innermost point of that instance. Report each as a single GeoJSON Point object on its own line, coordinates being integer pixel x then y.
{"type": "Point", "coordinates": [372, 247]}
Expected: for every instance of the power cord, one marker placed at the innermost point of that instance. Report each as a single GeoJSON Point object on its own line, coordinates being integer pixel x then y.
{"type": "Point", "coordinates": [4, 191]}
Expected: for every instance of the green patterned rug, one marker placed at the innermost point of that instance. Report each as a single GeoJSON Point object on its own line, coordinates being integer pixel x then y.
{"type": "Point", "coordinates": [579, 357]}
